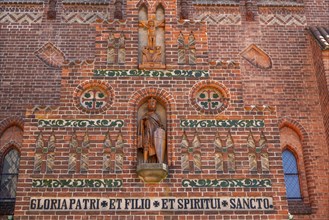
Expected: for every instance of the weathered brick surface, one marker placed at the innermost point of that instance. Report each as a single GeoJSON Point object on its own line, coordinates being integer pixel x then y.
{"type": "Point", "coordinates": [295, 86]}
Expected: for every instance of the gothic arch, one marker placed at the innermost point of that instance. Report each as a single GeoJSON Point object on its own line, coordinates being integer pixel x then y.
{"type": "Point", "coordinates": [294, 125]}
{"type": "Point", "coordinates": [142, 3]}
{"type": "Point", "coordinates": [11, 121]}
{"type": "Point", "coordinates": [298, 148]}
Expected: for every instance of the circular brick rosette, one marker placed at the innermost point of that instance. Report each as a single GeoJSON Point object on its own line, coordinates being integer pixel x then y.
{"type": "Point", "coordinates": [93, 96]}
{"type": "Point", "coordinates": [209, 97]}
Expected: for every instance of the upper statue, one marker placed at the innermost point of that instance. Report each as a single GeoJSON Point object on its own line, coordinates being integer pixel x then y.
{"type": "Point", "coordinates": [151, 54]}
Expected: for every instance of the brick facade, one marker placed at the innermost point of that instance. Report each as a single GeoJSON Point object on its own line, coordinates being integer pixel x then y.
{"type": "Point", "coordinates": [260, 55]}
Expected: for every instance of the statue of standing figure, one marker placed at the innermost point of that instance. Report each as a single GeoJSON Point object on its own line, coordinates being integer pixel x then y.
{"type": "Point", "coordinates": [152, 135]}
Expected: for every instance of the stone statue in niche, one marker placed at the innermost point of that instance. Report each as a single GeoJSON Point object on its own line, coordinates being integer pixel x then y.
{"type": "Point", "coordinates": [152, 146]}
{"type": "Point", "coordinates": [152, 135]}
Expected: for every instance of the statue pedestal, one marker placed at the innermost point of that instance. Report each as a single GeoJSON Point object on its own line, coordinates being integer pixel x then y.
{"type": "Point", "coordinates": [152, 172]}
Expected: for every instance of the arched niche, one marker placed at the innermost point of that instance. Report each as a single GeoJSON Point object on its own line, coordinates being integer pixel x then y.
{"type": "Point", "coordinates": [160, 32]}
{"type": "Point", "coordinates": [142, 32]}
{"type": "Point", "coordinates": [152, 141]}
{"type": "Point", "coordinates": [161, 112]}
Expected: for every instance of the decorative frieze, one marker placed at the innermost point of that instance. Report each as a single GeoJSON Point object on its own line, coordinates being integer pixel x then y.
{"type": "Point", "coordinates": [84, 14]}
{"type": "Point", "coordinates": [283, 19]}
{"type": "Point", "coordinates": [217, 15]}
{"type": "Point", "coordinates": [76, 183]}
{"type": "Point", "coordinates": [80, 123]}
{"type": "Point", "coordinates": [259, 108]}
{"type": "Point", "coordinates": [25, 14]}
{"type": "Point", "coordinates": [203, 204]}
{"type": "Point", "coordinates": [153, 73]}
{"type": "Point", "coordinates": [221, 123]}
{"type": "Point", "coordinates": [227, 183]}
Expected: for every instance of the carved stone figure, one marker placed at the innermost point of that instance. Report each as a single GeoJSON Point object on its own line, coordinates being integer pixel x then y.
{"type": "Point", "coordinates": [151, 26]}
{"type": "Point", "coordinates": [151, 54]}
{"type": "Point", "coordinates": [152, 135]}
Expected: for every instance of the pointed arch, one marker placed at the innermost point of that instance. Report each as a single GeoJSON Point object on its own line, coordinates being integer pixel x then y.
{"type": "Point", "coordinates": [161, 3]}
{"type": "Point", "coordinates": [11, 121]}
{"type": "Point", "coordinates": [294, 125]}
{"type": "Point", "coordinates": [294, 145]}
{"type": "Point", "coordinates": [141, 3]}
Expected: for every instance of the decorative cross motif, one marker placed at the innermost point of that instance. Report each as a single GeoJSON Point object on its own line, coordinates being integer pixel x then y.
{"type": "Point", "coordinates": [44, 155]}
{"type": "Point", "coordinates": [116, 49]}
{"type": "Point", "coordinates": [93, 99]}
{"type": "Point", "coordinates": [224, 153]}
{"type": "Point", "coordinates": [118, 10]}
{"type": "Point", "coordinates": [79, 153]}
{"type": "Point", "coordinates": [186, 51]}
{"type": "Point", "coordinates": [209, 99]}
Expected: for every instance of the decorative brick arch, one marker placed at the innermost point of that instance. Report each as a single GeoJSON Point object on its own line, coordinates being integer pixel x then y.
{"type": "Point", "coordinates": [294, 125]}
{"type": "Point", "coordinates": [166, 100]}
{"type": "Point", "coordinates": [102, 85]}
{"type": "Point", "coordinates": [302, 156]}
{"type": "Point", "coordinates": [11, 121]}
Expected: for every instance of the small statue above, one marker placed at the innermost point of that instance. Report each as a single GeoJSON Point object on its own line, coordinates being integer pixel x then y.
{"type": "Point", "coordinates": [152, 54]}
{"type": "Point", "coordinates": [152, 135]}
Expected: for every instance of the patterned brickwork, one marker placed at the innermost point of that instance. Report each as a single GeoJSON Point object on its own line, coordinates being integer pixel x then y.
{"type": "Point", "coordinates": [84, 14]}
{"type": "Point", "coordinates": [282, 16]}
{"type": "Point", "coordinates": [281, 107]}
{"type": "Point", "coordinates": [216, 15]}
{"type": "Point", "coordinates": [30, 14]}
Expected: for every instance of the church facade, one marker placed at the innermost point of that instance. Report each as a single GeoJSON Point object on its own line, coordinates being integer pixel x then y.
{"type": "Point", "coordinates": [153, 109]}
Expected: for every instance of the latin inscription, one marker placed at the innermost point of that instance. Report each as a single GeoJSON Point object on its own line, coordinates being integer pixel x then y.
{"type": "Point", "coordinates": [152, 204]}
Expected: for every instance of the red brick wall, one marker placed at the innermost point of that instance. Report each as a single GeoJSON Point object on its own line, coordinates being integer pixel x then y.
{"type": "Point", "coordinates": [292, 87]}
